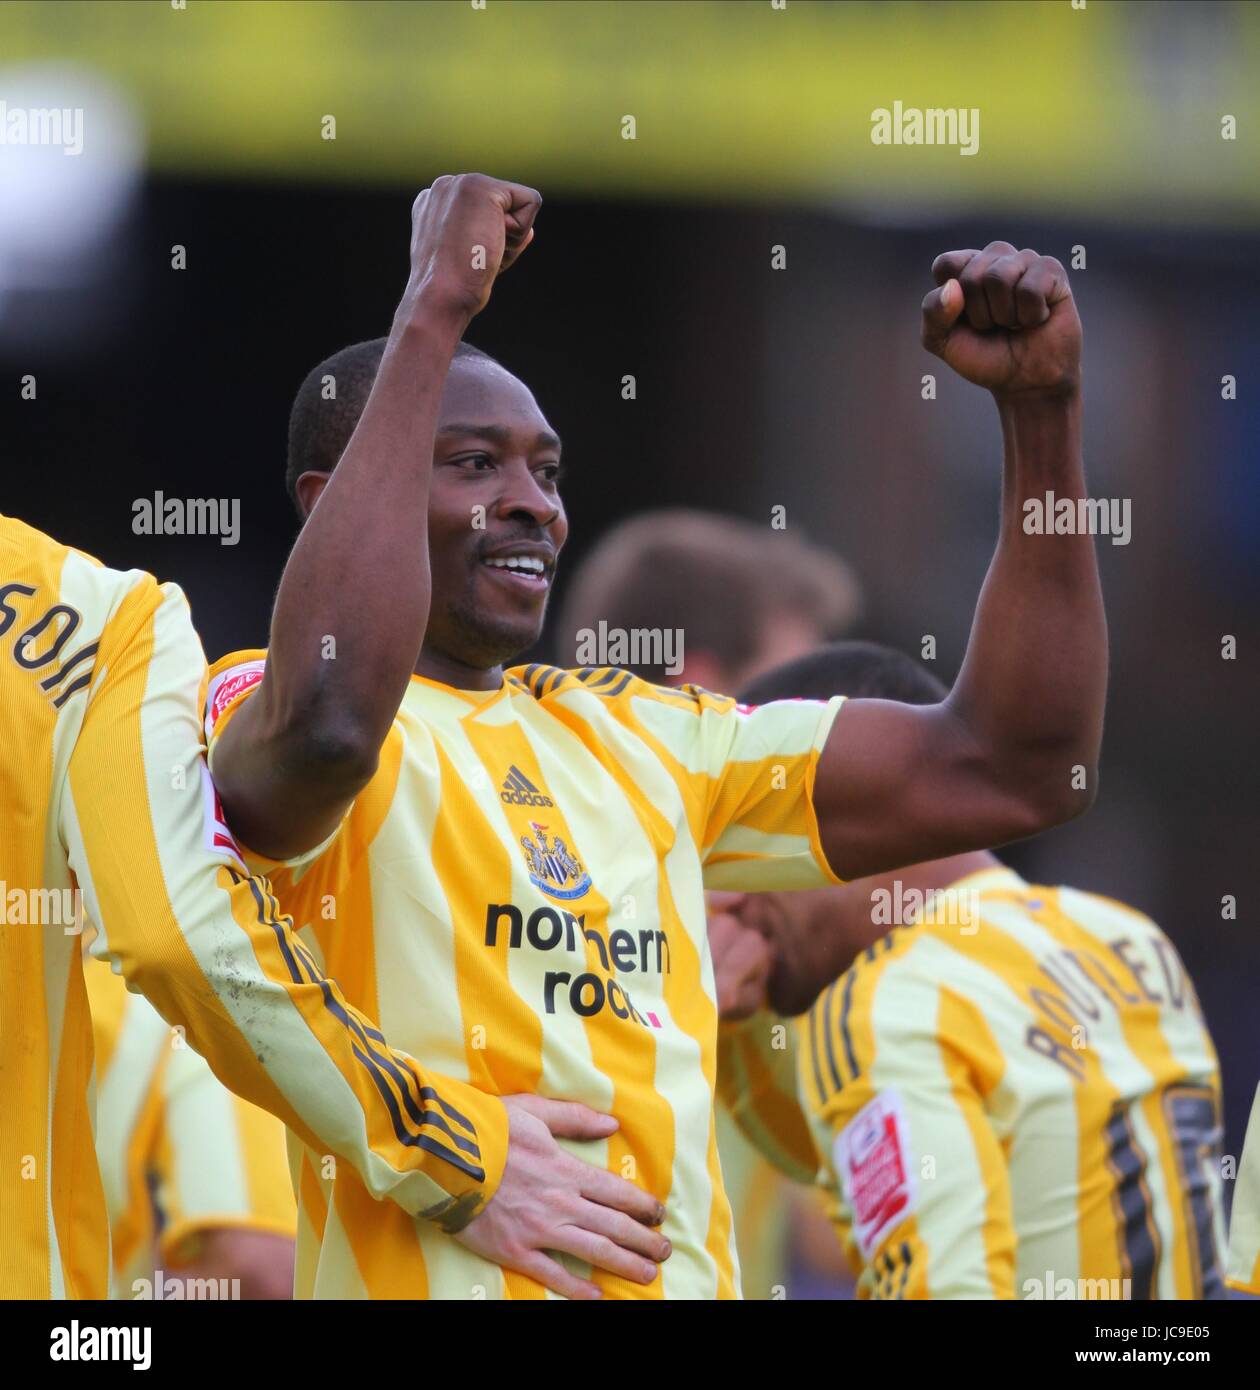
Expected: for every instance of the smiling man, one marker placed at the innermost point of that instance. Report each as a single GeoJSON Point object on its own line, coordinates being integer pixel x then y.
{"type": "Point", "coordinates": [510, 865]}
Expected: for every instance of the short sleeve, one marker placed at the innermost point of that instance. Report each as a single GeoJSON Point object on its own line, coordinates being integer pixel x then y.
{"type": "Point", "coordinates": [754, 767]}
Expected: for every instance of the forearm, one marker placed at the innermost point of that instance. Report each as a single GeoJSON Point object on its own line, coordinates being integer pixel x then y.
{"type": "Point", "coordinates": [1033, 681]}
{"type": "Point", "coordinates": [367, 536]}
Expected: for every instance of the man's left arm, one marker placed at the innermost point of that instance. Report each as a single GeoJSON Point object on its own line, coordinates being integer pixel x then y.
{"type": "Point", "coordinates": [1014, 748]}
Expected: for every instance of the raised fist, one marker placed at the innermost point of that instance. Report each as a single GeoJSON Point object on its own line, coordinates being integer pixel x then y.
{"type": "Point", "coordinates": [1005, 319]}
{"type": "Point", "coordinates": [465, 230]}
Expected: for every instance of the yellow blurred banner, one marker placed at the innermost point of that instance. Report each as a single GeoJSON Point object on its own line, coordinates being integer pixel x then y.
{"type": "Point", "coordinates": [1107, 109]}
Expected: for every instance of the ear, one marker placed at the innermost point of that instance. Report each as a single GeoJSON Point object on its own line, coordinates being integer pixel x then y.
{"type": "Point", "coordinates": [309, 487]}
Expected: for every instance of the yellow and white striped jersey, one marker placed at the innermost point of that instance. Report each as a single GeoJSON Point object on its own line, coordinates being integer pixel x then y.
{"type": "Point", "coordinates": [103, 788]}
{"type": "Point", "coordinates": [179, 1153]}
{"type": "Point", "coordinates": [1025, 1106]}
{"type": "Point", "coordinates": [518, 895]}
{"type": "Point", "coordinates": [757, 1090]}
{"type": "Point", "coordinates": [1244, 1218]}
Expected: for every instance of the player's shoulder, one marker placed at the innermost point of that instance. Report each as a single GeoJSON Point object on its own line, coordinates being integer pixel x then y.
{"type": "Point", "coordinates": [882, 1006]}
{"type": "Point", "coordinates": [80, 614]}
{"type": "Point", "coordinates": [232, 677]}
{"type": "Point", "coordinates": [1103, 915]}
{"type": "Point", "coordinates": [901, 946]}
{"type": "Point", "coordinates": [30, 557]}
{"type": "Point", "coordinates": [892, 970]}
{"type": "Point", "coordinates": [615, 686]}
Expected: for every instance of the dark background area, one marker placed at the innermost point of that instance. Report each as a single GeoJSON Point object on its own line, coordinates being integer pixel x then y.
{"type": "Point", "coordinates": [755, 388]}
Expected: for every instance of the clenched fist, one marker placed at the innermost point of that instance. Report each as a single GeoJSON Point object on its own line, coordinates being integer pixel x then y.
{"type": "Point", "coordinates": [465, 230]}
{"type": "Point", "coordinates": [1006, 320]}
{"type": "Point", "coordinates": [741, 958]}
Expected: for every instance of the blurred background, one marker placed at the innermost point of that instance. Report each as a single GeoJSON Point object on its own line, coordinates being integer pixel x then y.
{"type": "Point", "coordinates": [763, 378]}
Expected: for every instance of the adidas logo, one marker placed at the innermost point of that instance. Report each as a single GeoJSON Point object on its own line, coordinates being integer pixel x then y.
{"type": "Point", "coordinates": [518, 790]}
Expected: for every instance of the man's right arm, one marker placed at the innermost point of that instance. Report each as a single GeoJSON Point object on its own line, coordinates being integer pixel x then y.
{"type": "Point", "coordinates": [294, 758]}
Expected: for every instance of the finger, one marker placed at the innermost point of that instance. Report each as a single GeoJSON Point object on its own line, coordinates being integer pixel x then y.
{"type": "Point", "coordinates": [950, 265]}
{"type": "Point", "coordinates": [749, 957]}
{"type": "Point", "coordinates": [570, 1119]}
{"type": "Point", "coordinates": [622, 1230]}
{"type": "Point", "coordinates": [520, 212]}
{"type": "Point", "coordinates": [941, 309]}
{"type": "Point", "coordinates": [553, 1275]}
{"type": "Point", "coordinates": [745, 987]}
{"type": "Point", "coordinates": [512, 251]}
{"type": "Point", "coordinates": [522, 206]}
{"type": "Point", "coordinates": [598, 1185]}
{"type": "Point", "coordinates": [972, 282]}
{"type": "Point", "coordinates": [999, 282]}
{"type": "Point", "coordinates": [602, 1253]}
{"type": "Point", "coordinates": [1043, 286]}
{"type": "Point", "coordinates": [723, 931]}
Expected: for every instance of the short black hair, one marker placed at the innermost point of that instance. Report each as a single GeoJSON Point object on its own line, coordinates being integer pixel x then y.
{"type": "Point", "coordinates": [320, 426]}
{"type": "Point", "coordinates": [863, 670]}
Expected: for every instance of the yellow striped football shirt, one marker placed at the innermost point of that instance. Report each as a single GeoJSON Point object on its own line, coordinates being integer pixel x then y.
{"type": "Point", "coordinates": [518, 895]}
{"type": "Point", "coordinates": [179, 1153]}
{"type": "Point", "coordinates": [1244, 1218]}
{"type": "Point", "coordinates": [103, 789]}
{"type": "Point", "coordinates": [1026, 1105]}
{"type": "Point", "coordinates": [757, 1089]}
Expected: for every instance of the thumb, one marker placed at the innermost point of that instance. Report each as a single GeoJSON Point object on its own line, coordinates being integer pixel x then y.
{"type": "Point", "coordinates": [569, 1119]}
{"type": "Point", "coordinates": [941, 308]}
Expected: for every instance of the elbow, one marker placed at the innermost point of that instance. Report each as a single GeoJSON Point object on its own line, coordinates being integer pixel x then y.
{"type": "Point", "coordinates": [340, 755]}
{"type": "Point", "coordinates": [334, 753]}
{"type": "Point", "coordinates": [1056, 791]}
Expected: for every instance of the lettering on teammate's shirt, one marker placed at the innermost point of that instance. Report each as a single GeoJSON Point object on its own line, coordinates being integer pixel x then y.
{"type": "Point", "coordinates": [1080, 983]}
{"type": "Point", "coordinates": [38, 647]}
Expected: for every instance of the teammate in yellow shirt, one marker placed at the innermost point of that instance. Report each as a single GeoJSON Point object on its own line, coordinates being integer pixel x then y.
{"type": "Point", "coordinates": [1013, 1091]}
{"type": "Point", "coordinates": [196, 1179]}
{"type": "Point", "coordinates": [509, 866]}
{"type": "Point", "coordinates": [1244, 1222]}
{"type": "Point", "coordinates": [104, 792]}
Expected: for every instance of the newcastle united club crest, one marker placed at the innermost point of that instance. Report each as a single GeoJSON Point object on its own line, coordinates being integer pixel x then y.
{"type": "Point", "coordinates": [552, 868]}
